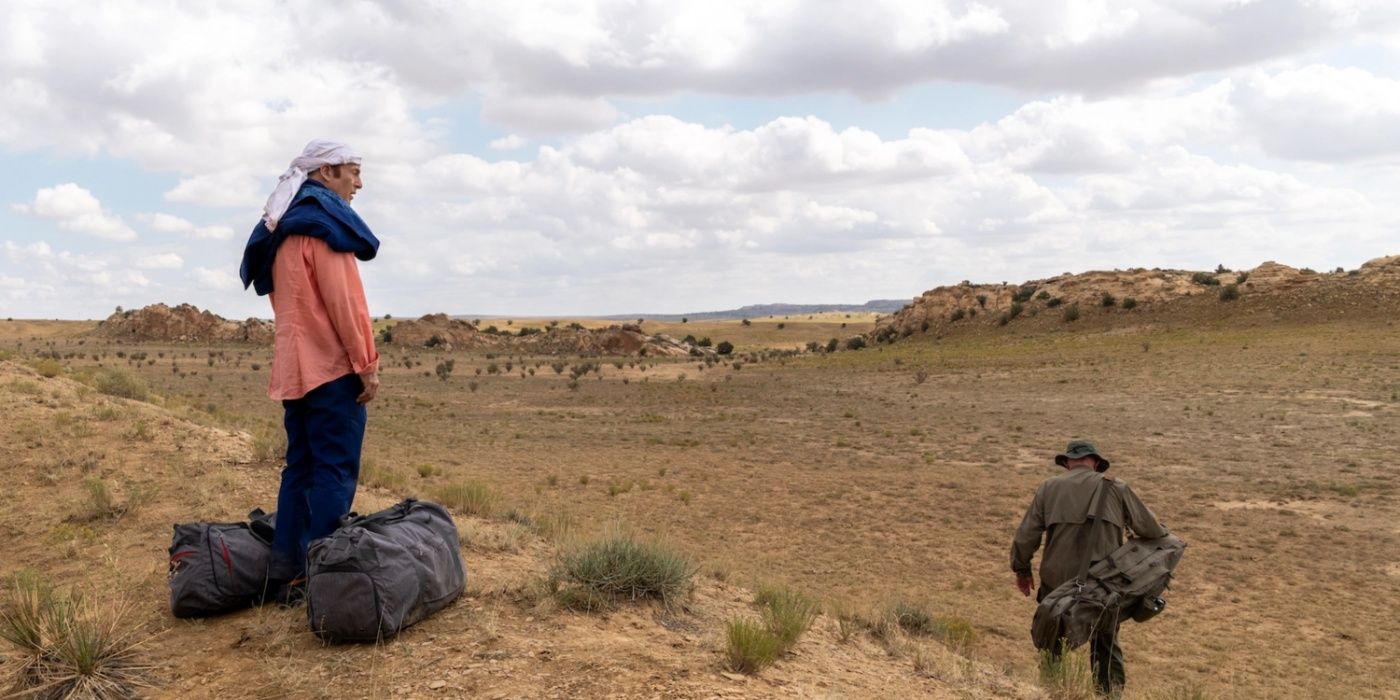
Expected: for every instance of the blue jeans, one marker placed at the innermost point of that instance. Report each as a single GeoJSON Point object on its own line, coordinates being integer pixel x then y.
{"type": "Point", "coordinates": [325, 431]}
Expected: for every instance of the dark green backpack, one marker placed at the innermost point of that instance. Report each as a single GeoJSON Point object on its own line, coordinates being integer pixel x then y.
{"type": "Point", "coordinates": [1126, 584]}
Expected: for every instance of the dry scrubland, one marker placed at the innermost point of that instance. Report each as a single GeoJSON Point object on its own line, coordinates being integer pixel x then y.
{"type": "Point", "coordinates": [1263, 434]}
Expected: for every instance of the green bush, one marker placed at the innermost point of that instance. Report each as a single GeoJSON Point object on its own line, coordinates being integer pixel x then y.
{"type": "Point", "coordinates": [1204, 278]}
{"type": "Point", "coordinates": [620, 567]}
{"type": "Point", "coordinates": [724, 348]}
{"type": "Point", "coordinates": [1108, 300]}
{"type": "Point", "coordinates": [1129, 303]}
{"type": "Point", "coordinates": [471, 496]}
{"type": "Point", "coordinates": [1072, 313]}
{"type": "Point", "coordinates": [855, 343]}
{"type": "Point", "coordinates": [118, 382]}
{"type": "Point", "coordinates": [1241, 277]}
{"type": "Point", "coordinates": [832, 344]}
{"type": "Point", "coordinates": [958, 315]}
{"type": "Point", "coordinates": [1024, 294]}
{"type": "Point", "coordinates": [1230, 292]}
{"type": "Point", "coordinates": [1056, 301]}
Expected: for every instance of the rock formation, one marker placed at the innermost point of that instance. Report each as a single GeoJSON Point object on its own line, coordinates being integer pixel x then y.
{"type": "Point", "coordinates": [183, 324]}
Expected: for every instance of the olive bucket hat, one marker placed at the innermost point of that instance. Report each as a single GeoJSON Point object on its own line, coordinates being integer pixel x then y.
{"type": "Point", "coordinates": [1081, 448]}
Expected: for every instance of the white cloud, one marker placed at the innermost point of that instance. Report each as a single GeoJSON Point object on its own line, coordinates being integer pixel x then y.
{"type": "Point", "coordinates": [75, 209]}
{"type": "Point", "coordinates": [1323, 113]}
{"type": "Point", "coordinates": [218, 280]}
{"type": "Point", "coordinates": [159, 261]}
{"type": "Point", "coordinates": [509, 142]}
{"type": "Point", "coordinates": [169, 223]}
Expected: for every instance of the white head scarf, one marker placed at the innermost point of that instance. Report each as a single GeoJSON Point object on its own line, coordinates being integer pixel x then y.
{"type": "Point", "coordinates": [316, 154]}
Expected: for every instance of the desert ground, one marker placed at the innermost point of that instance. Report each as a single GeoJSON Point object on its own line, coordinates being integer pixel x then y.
{"type": "Point", "coordinates": [1262, 433]}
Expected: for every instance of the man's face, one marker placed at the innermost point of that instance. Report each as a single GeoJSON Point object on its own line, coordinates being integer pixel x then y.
{"type": "Point", "coordinates": [346, 184]}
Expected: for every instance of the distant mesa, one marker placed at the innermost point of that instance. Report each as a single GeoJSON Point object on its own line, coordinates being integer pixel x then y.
{"type": "Point", "coordinates": [877, 306]}
{"type": "Point", "coordinates": [182, 324]}
{"type": "Point", "coordinates": [440, 330]}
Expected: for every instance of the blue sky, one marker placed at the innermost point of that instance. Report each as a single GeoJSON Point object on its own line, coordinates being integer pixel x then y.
{"type": "Point", "coordinates": [616, 157]}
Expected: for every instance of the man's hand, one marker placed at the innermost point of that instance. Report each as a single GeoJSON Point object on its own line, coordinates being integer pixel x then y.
{"type": "Point", "coordinates": [1024, 583]}
{"type": "Point", "coordinates": [371, 382]}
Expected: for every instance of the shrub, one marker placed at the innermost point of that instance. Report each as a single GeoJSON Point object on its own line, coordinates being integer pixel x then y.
{"type": "Point", "coordinates": [1072, 313]}
{"type": "Point", "coordinates": [1043, 295]}
{"type": "Point", "coordinates": [1024, 294]}
{"type": "Point", "coordinates": [70, 646]}
{"type": "Point", "coordinates": [472, 496]}
{"type": "Point", "coordinates": [747, 322]}
{"type": "Point", "coordinates": [958, 315]}
{"type": "Point", "coordinates": [117, 382]}
{"type": "Point", "coordinates": [1230, 292]}
{"type": "Point", "coordinates": [750, 646]}
{"type": "Point", "coordinates": [724, 348]}
{"type": "Point", "coordinates": [48, 367]}
{"type": "Point", "coordinates": [982, 300]}
{"type": "Point", "coordinates": [832, 344]}
{"type": "Point", "coordinates": [1240, 278]}
{"type": "Point", "coordinates": [855, 343]}
{"type": "Point", "coordinates": [1204, 278]}
{"type": "Point", "coordinates": [620, 566]}
{"type": "Point", "coordinates": [1056, 301]}
{"type": "Point", "coordinates": [1108, 300]}
{"type": "Point", "coordinates": [444, 369]}
{"type": "Point", "coordinates": [1129, 303]}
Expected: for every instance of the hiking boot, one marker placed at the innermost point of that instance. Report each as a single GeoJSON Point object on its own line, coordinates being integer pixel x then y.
{"type": "Point", "coordinates": [291, 594]}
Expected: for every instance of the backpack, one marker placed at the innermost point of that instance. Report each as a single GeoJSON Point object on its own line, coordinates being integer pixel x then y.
{"type": "Point", "coordinates": [218, 567]}
{"type": "Point", "coordinates": [377, 574]}
{"type": "Point", "coordinates": [1128, 583]}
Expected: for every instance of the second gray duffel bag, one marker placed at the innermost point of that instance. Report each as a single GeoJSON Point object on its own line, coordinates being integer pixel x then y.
{"type": "Point", "coordinates": [377, 574]}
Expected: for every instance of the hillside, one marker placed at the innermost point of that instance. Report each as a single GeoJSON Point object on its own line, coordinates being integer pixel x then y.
{"type": "Point", "coordinates": [1141, 295]}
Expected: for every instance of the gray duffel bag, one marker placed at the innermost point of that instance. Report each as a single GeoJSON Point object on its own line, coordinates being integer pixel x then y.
{"type": "Point", "coordinates": [218, 567]}
{"type": "Point", "coordinates": [377, 574]}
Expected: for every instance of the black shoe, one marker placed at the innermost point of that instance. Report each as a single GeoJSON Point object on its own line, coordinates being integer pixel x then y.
{"type": "Point", "coordinates": [291, 594]}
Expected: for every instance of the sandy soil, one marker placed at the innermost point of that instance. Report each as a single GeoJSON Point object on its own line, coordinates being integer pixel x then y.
{"type": "Point", "coordinates": [1265, 438]}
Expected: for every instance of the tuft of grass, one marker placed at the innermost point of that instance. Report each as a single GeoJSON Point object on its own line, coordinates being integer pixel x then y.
{"type": "Point", "coordinates": [426, 470]}
{"type": "Point", "coordinates": [70, 646]}
{"type": "Point", "coordinates": [789, 613]}
{"type": "Point", "coordinates": [1067, 676]}
{"type": "Point", "coordinates": [270, 444]}
{"type": "Point", "coordinates": [118, 382]}
{"type": "Point", "coordinates": [620, 566]}
{"type": "Point", "coordinates": [954, 631]}
{"type": "Point", "coordinates": [371, 474]}
{"type": "Point", "coordinates": [1181, 692]}
{"type": "Point", "coordinates": [749, 646]}
{"type": "Point", "coordinates": [471, 496]}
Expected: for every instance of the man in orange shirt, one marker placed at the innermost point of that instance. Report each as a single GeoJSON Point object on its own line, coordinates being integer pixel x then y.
{"type": "Point", "coordinates": [325, 367]}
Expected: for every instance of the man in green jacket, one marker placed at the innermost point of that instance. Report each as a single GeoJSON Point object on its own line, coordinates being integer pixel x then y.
{"type": "Point", "coordinates": [1060, 514]}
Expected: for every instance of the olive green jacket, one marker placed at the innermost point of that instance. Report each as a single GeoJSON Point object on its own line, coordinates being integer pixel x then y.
{"type": "Point", "coordinates": [1059, 513]}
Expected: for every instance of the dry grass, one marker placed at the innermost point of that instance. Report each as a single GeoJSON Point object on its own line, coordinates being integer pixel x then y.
{"type": "Point", "coordinates": [70, 645]}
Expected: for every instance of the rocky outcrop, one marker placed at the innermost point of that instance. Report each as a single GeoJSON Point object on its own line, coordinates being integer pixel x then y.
{"type": "Point", "coordinates": [439, 330]}
{"type": "Point", "coordinates": [970, 304]}
{"type": "Point", "coordinates": [182, 324]}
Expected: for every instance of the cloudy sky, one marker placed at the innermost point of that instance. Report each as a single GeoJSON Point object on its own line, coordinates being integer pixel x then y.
{"type": "Point", "coordinates": [577, 157]}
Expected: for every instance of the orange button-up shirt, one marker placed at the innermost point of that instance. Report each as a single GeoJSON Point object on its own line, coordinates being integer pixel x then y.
{"type": "Point", "coordinates": [322, 320]}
